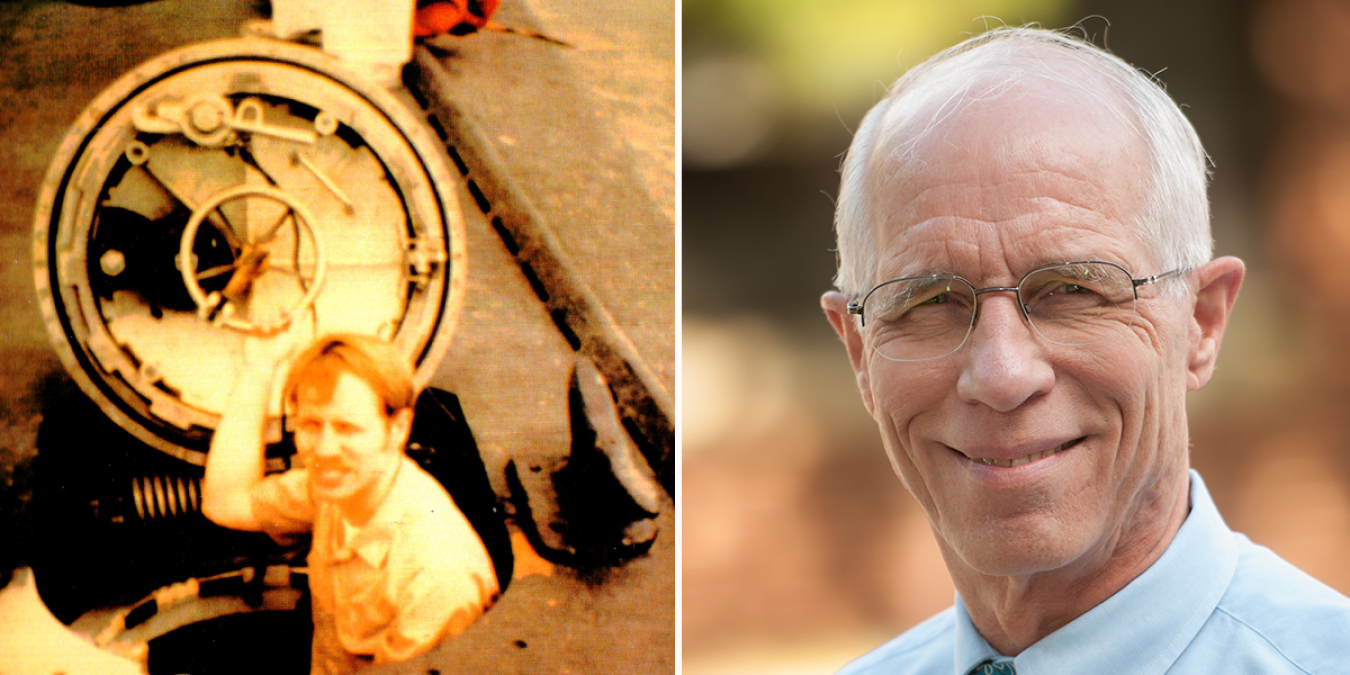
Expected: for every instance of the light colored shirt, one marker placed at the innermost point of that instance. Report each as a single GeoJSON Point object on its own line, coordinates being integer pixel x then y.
{"type": "Point", "coordinates": [415, 574]}
{"type": "Point", "coordinates": [1214, 602]}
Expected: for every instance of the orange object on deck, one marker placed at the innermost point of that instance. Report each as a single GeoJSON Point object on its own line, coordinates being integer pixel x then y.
{"type": "Point", "coordinates": [453, 16]}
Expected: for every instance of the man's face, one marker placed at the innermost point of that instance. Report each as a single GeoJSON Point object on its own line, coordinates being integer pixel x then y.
{"type": "Point", "coordinates": [1007, 186]}
{"type": "Point", "coordinates": [347, 441]}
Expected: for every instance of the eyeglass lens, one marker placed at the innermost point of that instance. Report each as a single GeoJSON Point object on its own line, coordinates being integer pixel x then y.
{"type": "Point", "coordinates": [921, 318]}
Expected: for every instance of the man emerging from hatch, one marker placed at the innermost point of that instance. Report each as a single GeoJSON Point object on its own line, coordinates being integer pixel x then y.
{"type": "Point", "coordinates": [394, 567]}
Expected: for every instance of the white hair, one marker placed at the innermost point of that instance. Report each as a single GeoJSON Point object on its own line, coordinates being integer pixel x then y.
{"type": "Point", "coordinates": [1174, 223]}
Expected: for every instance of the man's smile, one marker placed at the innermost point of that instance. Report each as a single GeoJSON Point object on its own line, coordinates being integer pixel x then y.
{"type": "Point", "coordinates": [330, 476]}
{"type": "Point", "coordinates": [1024, 459]}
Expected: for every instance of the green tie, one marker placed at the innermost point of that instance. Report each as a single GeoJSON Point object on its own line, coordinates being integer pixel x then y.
{"type": "Point", "coordinates": [990, 667]}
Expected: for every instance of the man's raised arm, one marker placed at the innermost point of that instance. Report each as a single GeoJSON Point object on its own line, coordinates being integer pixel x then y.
{"type": "Point", "coordinates": [234, 463]}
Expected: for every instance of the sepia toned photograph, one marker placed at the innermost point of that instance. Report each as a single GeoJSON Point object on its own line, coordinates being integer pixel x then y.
{"type": "Point", "coordinates": [337, 337]}
{"type": "Point", "coordinates": [1012, 337]}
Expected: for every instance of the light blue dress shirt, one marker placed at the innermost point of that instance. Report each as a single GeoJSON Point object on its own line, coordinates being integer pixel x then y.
{"type": "Point", "coordinates": [1213, 603]}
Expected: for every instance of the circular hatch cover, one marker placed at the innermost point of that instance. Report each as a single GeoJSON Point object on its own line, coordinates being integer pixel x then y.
{"type": "Point", "coordinates": [233, 187]}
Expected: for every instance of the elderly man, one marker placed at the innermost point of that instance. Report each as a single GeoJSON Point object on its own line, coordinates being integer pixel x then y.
{"type": "Point", "coordinates": [394, 567]}
{"type": "Point", "coordinates": [1026, 294]}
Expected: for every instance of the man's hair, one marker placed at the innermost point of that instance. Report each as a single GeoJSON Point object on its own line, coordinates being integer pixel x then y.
{"type": "Point", "coordinates": [1174, 221]}
{"type": "Point", "coordinates": [375, 361]}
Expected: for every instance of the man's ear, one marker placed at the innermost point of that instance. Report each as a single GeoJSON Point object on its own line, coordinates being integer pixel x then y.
{"type": "Point", "coordinates": [400, 426]}
{"type": "Point", "coordinates": [836, 310]}
{"type": "Point", "coordinates": [1218, 283]}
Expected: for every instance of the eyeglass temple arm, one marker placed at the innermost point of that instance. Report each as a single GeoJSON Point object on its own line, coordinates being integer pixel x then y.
{"type": "Point", "coordinates": [1159, 277]}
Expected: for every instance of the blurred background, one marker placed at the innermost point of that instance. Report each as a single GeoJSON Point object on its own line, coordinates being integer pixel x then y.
{"type": "Point", "coordinates": [801, 550]}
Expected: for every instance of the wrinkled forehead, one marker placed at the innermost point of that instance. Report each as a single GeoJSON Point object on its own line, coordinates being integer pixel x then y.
{"type": "Point", "coordinates": [1000, 147]}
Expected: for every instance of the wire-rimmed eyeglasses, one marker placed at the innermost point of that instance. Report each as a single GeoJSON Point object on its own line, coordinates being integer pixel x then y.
{"type": "Point", "coordinates": [1072, 303]}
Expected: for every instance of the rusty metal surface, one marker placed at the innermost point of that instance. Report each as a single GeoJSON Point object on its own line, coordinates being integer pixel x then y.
{"type": "Point", "coordinates": [556, 280]}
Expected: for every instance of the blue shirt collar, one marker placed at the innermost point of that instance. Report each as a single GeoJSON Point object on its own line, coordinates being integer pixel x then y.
{"type": "Point", "coordinates": [971, 648]}
{"type": "Point", "coordinates": [1144, 627]}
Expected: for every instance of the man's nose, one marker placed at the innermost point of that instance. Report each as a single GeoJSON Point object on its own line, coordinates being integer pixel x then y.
{"type": "Point", "coordinates": [1004, 358]}
{"type": "Point", "coordinates": [326, 443]}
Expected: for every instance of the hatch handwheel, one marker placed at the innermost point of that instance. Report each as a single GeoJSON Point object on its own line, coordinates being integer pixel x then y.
{"type": "Point", "coordinates": [258, 256]}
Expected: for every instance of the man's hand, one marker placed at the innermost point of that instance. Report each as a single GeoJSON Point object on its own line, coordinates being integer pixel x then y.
{"type": "Point", "coordinates": [272, 350]}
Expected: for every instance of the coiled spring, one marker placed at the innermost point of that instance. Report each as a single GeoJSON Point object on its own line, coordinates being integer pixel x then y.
{"type": "Point", "coordinates": [165, 496]}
